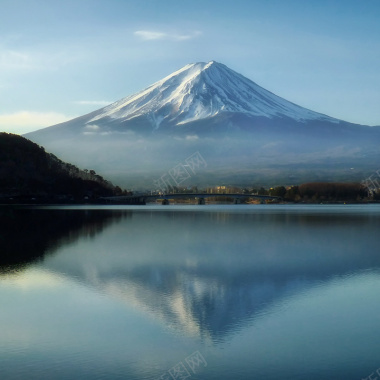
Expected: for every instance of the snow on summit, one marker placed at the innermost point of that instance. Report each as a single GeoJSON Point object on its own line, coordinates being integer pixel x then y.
{"type": "Point", "coordinates": [202, 90]}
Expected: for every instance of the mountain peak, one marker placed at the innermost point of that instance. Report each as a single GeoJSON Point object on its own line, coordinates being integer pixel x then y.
{"type": "Point", "coordinates": [202, 90]}
{"type": "Point", "coordinates": [211, 63]}
{"type": "Point", "coordinates": [201, 65]}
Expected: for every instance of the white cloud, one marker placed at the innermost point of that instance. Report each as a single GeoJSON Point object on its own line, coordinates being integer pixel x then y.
{"type": "Point", "coordinates": [27, 121]}
{"type": "Point", "coordinates": [93, 102]}
{"type": "Point", "coordinates": [92, 127]}
{"type": "Point", "coordinates": [150, 35]}
{"type": "Point", "coordinates": [192, 137]}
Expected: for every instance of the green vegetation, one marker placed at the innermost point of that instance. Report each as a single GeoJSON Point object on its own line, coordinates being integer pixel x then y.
{"type": "Point", "coordinates": [320, 192]}
{"type": "Point", "coordinates": [29, 174]}
{"type": "Point", "coordinates": [327, 192]}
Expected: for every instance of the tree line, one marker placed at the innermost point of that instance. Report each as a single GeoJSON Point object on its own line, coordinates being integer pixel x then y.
{"type": "Point", "coordinates": [321, 192]}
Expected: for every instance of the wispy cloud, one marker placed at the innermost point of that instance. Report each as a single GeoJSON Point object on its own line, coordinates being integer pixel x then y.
{"type": "Point", "coordinates": [19, 60]}
{"type": "Point", "coordinates": [27, 121]}
{"type": "Point", "coordinates": [15, 60]}
{"type": "Point", "coordinates": [92, 127]}
{"type": "Point", "coordinates": [150, 35]}
{"type": "Point", "coordinates": [93, 102]}
{"type": "Point", "coordinates": [192, 137]}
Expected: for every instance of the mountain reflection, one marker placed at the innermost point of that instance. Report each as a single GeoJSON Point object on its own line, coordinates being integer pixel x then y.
{"type": "Point", "coordinates": [210, 273]}
{"type": "Point", "coordinates": [28, 234]}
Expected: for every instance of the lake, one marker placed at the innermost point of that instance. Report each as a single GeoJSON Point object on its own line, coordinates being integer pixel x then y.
{"type": "Point", "coordinates": [190, 292]}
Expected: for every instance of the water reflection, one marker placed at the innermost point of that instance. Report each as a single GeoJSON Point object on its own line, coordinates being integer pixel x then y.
{"type": "Point", "coordinates": [205, 274]}
{"type": "Point", "coordinates": [261, 292]}
{"type": "Point", "coordinates": [28, 234]}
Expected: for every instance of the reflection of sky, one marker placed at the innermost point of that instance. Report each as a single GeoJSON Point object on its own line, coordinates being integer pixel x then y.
{"type": "Point", "coordinates": [255, 293]}
{"type": "Point", "coordinates": [327, 332]}
{"type": "Point", "coordinates": [56, 321]}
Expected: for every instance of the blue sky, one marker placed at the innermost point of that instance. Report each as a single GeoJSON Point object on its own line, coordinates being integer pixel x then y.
{"type": "Point", "coordinates": [62, 59]}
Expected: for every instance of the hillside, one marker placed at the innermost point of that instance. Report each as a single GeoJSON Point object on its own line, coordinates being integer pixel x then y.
{"type": "Point", "coordinates": [28, 173]}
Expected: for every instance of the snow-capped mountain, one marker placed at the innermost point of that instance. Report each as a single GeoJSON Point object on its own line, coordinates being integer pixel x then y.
{"type": "Point", "coordinates": [210, 108]}
{"type": "Point", "coordinates": [203, 90]}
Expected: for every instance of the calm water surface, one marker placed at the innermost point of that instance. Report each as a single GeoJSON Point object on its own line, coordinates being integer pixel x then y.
{"type": "Point", "coordinates": [190, 292]}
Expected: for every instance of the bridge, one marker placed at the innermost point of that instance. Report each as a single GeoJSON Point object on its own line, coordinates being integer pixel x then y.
{"type": "Point", "coordinates": [142, 199]}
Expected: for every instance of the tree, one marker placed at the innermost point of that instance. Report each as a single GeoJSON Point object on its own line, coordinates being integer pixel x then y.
{"type": "Point", "coordinates": [262, 191]}
{"type": "Point", "coordinates": [278, 191]}
{"type": "Point", "coordinates": [292, 194]}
